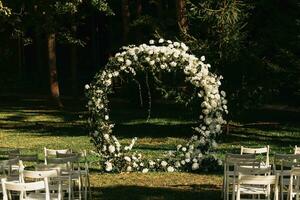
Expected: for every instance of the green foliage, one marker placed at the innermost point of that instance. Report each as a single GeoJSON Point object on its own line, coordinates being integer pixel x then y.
{"type": "Point", "coordinates": [102, 6]}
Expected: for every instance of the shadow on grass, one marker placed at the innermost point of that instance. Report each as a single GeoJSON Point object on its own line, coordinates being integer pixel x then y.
{"type": "Point", "coordinates": [182, 192]}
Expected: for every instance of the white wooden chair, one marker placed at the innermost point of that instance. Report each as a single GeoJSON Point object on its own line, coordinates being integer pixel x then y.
{"type": "Point", "coordinates": [52, 153]}
{"type": "Point", "coordinates": [297, 150]}
{"type": "Point", "coordinates": [24, 188]}
{"type": "Point", "coordinates": [256, 182]}
{"type": "Point", "coordinates": [5, 152]}
{"type": "Point", "coordinates": [231, 160]}
{"type": "Point", "coordinates": [294, 185]}
{"type": "Point", "coordinates": [258, 151]}
{"type": "Point", "coordinates": [83, 172]}
{"type": "Point", "coordinates": [67, 174]}
{"type": "Point", "coordinates": [52, 178]}
{"type": "Point", "coordinates": [282, 165]}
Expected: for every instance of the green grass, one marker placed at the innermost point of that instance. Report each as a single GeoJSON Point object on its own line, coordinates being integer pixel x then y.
{"type": "Point", "coordinates": [30, 124]}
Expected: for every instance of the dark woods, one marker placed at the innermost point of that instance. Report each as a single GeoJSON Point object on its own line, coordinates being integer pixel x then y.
{"type": "Point", "coordinates": [55, 47]}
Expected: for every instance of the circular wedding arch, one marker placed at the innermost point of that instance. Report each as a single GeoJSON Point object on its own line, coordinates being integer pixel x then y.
{"type": "Point", "coordinates": [156, 56]}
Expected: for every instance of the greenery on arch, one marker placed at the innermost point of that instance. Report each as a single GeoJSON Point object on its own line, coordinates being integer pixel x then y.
{"type": "Point", "coordinates": [157, 56]}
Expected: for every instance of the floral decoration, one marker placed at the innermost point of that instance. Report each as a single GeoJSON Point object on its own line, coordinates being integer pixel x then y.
{"type": "Point", "coordinates": [157, 56]}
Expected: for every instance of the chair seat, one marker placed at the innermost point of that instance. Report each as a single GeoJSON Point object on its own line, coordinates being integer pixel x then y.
{"type": "Point", "coordinates": [39, 196]}
{"type": "Point", "coordinates": [253, 189]}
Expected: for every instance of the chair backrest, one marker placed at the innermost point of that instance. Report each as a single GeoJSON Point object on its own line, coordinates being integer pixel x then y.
{"type": "Point", "coordinates": [25, 187]}
{"type": "Point", "coordinates": [26, 158]}
{"type": "Point", "coordinates": [6, 151]}
{"type": "Point", "coordinates": [297, 150]}
{"type": "Point", "coordinates": [53, 153]}
{"type": "Point", "coordinates": [6, 165]}
{"type": "Point", "coordinates": [237, 159]}
{"type": "Point", "coordinates": [286, 161]}
{"type": "Point", "coordinates": [256, 151]}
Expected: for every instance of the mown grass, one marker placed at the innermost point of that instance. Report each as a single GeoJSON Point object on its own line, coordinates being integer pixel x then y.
{"type": "Point", "coordinates": [31, 125]}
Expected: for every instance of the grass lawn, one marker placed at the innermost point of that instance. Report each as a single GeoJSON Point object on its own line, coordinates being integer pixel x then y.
{"type": "Point", "coordinates": [30, 124]}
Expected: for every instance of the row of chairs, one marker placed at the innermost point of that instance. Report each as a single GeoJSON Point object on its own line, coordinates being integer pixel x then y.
{"type": "Point", "coordinates": [70, 168]}
{"type": "Point", "coordinates": [251, 169]}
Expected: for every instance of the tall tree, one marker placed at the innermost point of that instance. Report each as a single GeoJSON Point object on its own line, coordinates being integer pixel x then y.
{"type": "Point", "coordinates": [54, 86]}
{"type": "Point", "coordinates": [125, 19]}
{"type": "Point", "coordinates": [181, 16]}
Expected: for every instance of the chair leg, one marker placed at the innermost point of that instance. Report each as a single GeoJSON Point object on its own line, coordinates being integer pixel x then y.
{"type": "Point", "coordinates": [89, 186]}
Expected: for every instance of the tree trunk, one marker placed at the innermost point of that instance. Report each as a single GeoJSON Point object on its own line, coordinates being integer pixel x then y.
{"type": "Point", "coordinates": [181, 16]}
{"type": "Point", "coordinates": [139, 8]}
{"type": "Point", "coordinates": [20, 57]}
{"type": "Point", "coordinates": [125, 19]}
{"type": "Point", "coordinates": [54, 86]}
{"type": "Point", "coordinates": [38, 58]}
{"type": "Point", "coordinates": [73, 64]}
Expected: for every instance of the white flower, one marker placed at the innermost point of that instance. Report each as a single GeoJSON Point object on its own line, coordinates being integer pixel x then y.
{"type": "Point", "coordinates": [128, 62]}
{"type": "Point", "coordinates": [147, 59]}
{"type": "Point", "coordinates": [108, 166]}
{"type": "Point", "coordinates": [111, 148]}
{"type": "Point", "coordinates": [187, 160]}
{"type": "Point", "coordinates": [127, 158]}
{"type": "Point", "coordinates": [151, 42]}
{"type": "Point", "coordinates": [120, 59]}
{"type": "Point", "coordinates": [176, 44]}
{"type": "Point", "coordinates": [152, 62]}
{"type": "Point", "coordinates": [177, 164]}
{"type": "Point", "coordinates": [202, 58]}
{"type": "Point", "coordinates": [179, 146]}
{"type": "Point", "coordinates": [135, 165]}
{"type": "Point", "coordinates": [106, 136]}
{"type": "Point", "coordinates": [183, 149]}
{"type": "Point", "coordinates": [161, 40]}
{"type": "Point", "coordinates": [87, 87]}
{"type": "Point", "coordinates": [182, 162]}
{"type": "Point", "coordinates": [173, 64]}
{"type": "Point", "coordinates": [223, 93]}
{"type": "Point", "coordinates": [195, 166]}
{"type": "Point", "coordinates": [195, 160]}
{"type": "Point", "coordinates": [145, 170]}
{"type": "Point", "coordinates": [106, 117]}
{"type": "Point", "coordinates": [129, 169]}
{"type": "Point", "coordinates": [170, 169]}
{"type": "Point", "coordinates": [164, 163]}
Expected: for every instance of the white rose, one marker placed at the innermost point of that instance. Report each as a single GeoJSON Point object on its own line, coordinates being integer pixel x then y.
{"type": "Point", "coordinates": [170, 169]}
{"type": "Point", "coordinates": [106, 136]}
{"type": "Point", "coordinates": [173, 64]}
{"type": "Point", "coordinates": [151, 42]}
{"type": "Point", "coordinates": [147, 59]}
{"type": "Point", "coordinates": [128, 159]}
{"type": "Point", "coordinates": [183, 149]}
{"type": "Point", "coordinates": [182, 162]}
{"type": "Point", "coordinates": [145, 170]}
{"type": "Point", "coordinates": [120, 59]}
{"type": "Point", "coordinates": [129, 169]}
{"type": "Point", "coordinates": [108, 166]}
{"type": "Point", "coordinates": [179, 146]}
{"type": "Point", "coordinates": [202, 58]}
{"type": "Point", "coordinates": [111, 149]}
{"type": "Point", "coordinates": [164, 163]}
{"type": "Point", "coordinates": [152, 62]}
{"type": "Point", "coordinates": [87, 87]}
{"type": "Point", "coordinates": [161, 40]}
{"type": "Point", "coordinates": [106, 117]}
{"type": "Point", "coordinates": [128, 62]}
{"type": "Point", "coordinates": [195, 166]}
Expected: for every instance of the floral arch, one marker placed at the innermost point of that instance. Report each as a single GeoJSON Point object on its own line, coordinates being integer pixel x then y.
{"type": "Point", "coordinates": [157, 56]}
